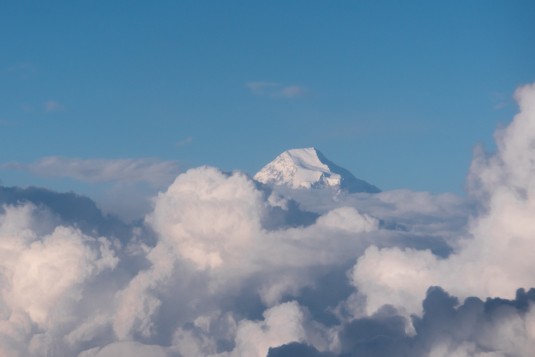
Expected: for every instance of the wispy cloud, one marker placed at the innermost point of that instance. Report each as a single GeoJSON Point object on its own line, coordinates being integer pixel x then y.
{"type": "Point", "coordinates": [274, 89]}
{"type": "Point", "coordinates": [261, 87]}
{"type": "Point", "coordinates": [52, 106]}
{"type": "Point", "coordinates": [151, 171]}
{"type": "Point", "coordinates": [500, 101]}
{"type": "Point", "coordinates": [23, 70]}
{"type": "Point", "coordinates": [47, 106]}
{"type": "Point", "coordinates": [5, 122]}
{"type": "Point", "coordinates": [184, 142]}
{"type": "Point", "coordinates": [292, 91]}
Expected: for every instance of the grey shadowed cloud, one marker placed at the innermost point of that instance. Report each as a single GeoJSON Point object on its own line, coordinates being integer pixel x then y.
{"type": "Point", "coordinates": [67, 209]}
{"type": "Point", "coordinates": [446, 328]}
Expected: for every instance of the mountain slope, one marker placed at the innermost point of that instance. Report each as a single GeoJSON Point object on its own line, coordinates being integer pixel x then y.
{"type": "Point", "coordinates": [309, 168]}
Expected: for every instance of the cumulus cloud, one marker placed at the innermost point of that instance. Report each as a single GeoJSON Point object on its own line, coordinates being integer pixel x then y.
{"type": "Point", "coordinates": [230, 250]}
{"type": "Point", "coordinates": [44, 277]}
{"type": "Point", "coordinates": [212, 279]}
{"type": "Point", "coordinates": [236, 210]}
{"type": "Point", "coordinates": [231, 205]}
{"type": "Point", "coordinates": [494, 257]}
{"type": "Point", "coordinates": [281, 324]}
{"type": "Point", "coordinates": [224, 266]}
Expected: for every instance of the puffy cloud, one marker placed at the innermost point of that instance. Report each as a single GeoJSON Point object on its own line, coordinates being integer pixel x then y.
{"type": "Point", "coordinates": [207, 217]}
{"type": "Point", "coordinates": [494, 257]}
{"type": "Point", "coordinates": [210, 226]}
{"type": "Point", "coordinates": [495, 327]}
{"type": "Point", "coordinates": [384, 276]}
{"type": "Point", "coordinates": [223, 250]}
{"type": "Point", "coordinates": [216, 221]}
{"type": "Point", "coordinates": [282, 324]}
{"type": "Point", "coordinates": [348, 219]}
{"type": "Point", "coordinates": [44, 275]}
{"type": "Point", "coordinates": [50, 272]}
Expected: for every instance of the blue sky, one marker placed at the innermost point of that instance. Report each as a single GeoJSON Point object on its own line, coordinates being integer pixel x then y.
{"type": "Point", "coordinates": [399, 93]}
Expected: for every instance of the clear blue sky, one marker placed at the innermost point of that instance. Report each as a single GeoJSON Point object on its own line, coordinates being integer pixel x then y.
{"type": "Point", "coordinates": [398, 92]}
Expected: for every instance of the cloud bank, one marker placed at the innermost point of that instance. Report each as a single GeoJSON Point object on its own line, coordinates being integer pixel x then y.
{"type": "Point", "coordinates": [151, 171]}
{"type": "Point", "coordinates": [223, 266]}
{"type": "Point", "coordinates": [493, 258]}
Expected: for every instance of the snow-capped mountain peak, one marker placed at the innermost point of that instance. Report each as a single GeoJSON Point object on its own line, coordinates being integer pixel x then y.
{"type": "Point", "coordinates": [309, 168]}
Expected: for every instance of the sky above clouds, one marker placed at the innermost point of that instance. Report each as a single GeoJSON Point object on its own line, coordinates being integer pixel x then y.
{"type": "Point", "coordinates": [399, 93]}
{"type": "Point", "coordinates": [130, 223]}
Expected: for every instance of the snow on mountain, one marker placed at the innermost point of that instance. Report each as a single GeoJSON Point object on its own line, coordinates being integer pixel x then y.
{"type": "Point", "coordinates": [309, 168]}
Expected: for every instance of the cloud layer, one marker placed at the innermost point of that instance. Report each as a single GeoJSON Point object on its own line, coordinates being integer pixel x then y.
{"type": "Point", "coordinates": [151, 171]}
{"type": "Point", "coordinates": [224, 266]}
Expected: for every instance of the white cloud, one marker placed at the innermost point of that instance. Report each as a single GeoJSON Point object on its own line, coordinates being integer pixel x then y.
{"type": "Point", "coordinates": [282, 324]}
{"type": "Point", "coordinates": [212, 269]}
{"type": "Point", "coordinates": [209, 224]}
{"type": "Point", "coordinates": [494, 257]}
{"type": "Point", "coordinates": [44, 278]}
{"type": "Point", "coordinates": [231, 204]}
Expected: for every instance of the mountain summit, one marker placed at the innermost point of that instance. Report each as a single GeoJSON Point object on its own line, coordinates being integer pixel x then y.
{"type": "Point", "coordinates": [309, 168]}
